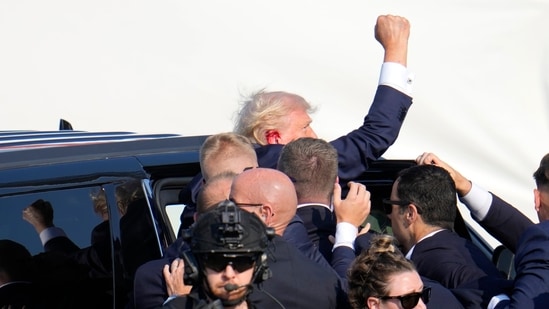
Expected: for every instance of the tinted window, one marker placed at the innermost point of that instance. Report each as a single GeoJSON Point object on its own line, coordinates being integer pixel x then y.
{"type": "Point", "coordinates": [73, 212]}
{"type": "Point", "coordinates": [80, 265]}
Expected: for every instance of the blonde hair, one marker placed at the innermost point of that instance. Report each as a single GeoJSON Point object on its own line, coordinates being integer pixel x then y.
{"type": "Point", "coordinates": [263, 111]}
{"type": "Point", "coordinates": [221, 147]}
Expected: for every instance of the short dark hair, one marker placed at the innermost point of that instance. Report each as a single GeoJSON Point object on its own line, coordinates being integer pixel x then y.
{"type": "Point", "coordinates": [312, 165]}
{"type": "Point", "coordinates": [15, 260]}
{"type": "Point", "coordinates": [541, 175]}
{"type": "Point", "coordinates": [432, 190]}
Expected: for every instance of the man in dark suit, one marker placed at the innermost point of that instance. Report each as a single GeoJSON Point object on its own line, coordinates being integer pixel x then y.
{"type": "Point", "coordinates": [297, 282]}
{"type": "Point", "coordinates": [271, 119]}
{"type": "Point", "coordinates": [16, 276]}
{"type": "Point", "coordinates": [312, 165]}
{"type": "Point", "coordinates": [422, 209]}
{"type": "Point", "coordinates": [529, 241]}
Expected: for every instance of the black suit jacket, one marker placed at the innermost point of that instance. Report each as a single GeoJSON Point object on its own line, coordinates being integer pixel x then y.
{"type": "Point", "coordinates": [297, 283]}
{"type": "Point", "coordinates": [457, 263]}
{"type": "Point", "coordinates": [296, 234]}
{"type": "Point", "coordinates": [320, 224]}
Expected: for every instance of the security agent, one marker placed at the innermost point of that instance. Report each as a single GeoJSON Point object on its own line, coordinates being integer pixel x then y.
{"type": "Point", "coordinates": [226, 255]}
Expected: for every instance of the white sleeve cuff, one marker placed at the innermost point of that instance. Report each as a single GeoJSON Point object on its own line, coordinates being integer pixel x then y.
{"type": "Point", "coordinates": [478, 201]}
{"type": "Point", "coordinates": [50, 233]}
{"type": "Point", "coordinates": [170, 298]}
{"type": "Point", "coordinates": [345, 235]}
{"type": "Point", "coordinates": [496, 300]}
{"type": "Point", "coordinates": [397, 76]}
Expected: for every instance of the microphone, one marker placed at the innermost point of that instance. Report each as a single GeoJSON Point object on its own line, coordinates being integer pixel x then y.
{"type": "Point", "coordinates": [229, 287]}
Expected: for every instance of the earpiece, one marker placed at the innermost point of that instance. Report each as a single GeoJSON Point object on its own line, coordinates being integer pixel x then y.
{"type": "Point", "coordinates": [263, 271]}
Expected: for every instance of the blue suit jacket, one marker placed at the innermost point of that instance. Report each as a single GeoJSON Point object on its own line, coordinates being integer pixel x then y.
{"type": "Point", "coordinates": [531, 289]}
{"type": "Point", "coordinates": [530, 242]}
{"type": "Point", "coordinates": [505, 223]}
{"type": "Point", "coordinates": [369, 142]}
{"type": "Point", "coordinates": [355, 150]}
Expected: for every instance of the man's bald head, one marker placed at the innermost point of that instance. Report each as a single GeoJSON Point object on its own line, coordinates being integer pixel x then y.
{"type": "Point", "coordinates": [214, 191]}
{"type": "Point", "coordinates": [271, 189]}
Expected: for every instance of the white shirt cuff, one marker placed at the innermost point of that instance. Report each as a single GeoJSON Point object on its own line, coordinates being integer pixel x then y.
{"type": "Point", "coordinates": [169, 299]}
{"type": "Point", "coordinates": [496, 299]}
{"type": "Point", "coordinates": [478, 201]}
{"type": "Point", "coordinates": [50, 233]}
{"type": "Point", "coordinates": [397, 76]}
{"type": "Point", "coordinates": [345, 235]}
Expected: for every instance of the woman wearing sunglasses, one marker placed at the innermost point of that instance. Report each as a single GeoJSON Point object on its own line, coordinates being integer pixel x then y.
{"type": "Point", "coordinates": [382, 278]}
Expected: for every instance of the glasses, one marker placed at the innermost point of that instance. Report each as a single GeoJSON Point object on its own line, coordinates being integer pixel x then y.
{"type": "Point", "coordinates": [245, 204]}
{"type": "Point", "coordinates": [388, 205]}
{"type": "Point", "coordinates": [218, 262]}
{"type": "Point", "coordinates": [409, 301]}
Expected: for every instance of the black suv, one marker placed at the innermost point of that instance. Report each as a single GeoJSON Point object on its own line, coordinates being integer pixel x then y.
{"type": "Point", "coordinates": [71, 169]}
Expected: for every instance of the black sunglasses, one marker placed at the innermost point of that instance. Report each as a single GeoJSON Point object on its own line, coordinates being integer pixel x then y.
{"type": "Point", "coordinates": [245, 204]}
{"type": "Point", "coordinates": [409, 301]}
{"type": "Point", "coordinates": [218, 262]}
{"type": "Point", "coordinates": [388, 205]}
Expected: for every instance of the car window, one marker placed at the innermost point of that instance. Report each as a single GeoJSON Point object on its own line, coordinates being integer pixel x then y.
{"type": "Point", "coordinates": [79, 263]}
{"type": "Point", "coordinates": [73, 211]}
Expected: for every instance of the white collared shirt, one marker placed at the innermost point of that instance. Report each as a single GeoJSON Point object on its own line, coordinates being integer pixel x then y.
{"type": "Point", "coordinates": [409, 254]}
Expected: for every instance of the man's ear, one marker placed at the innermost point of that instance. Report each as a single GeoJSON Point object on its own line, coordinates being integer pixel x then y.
{"type": "Point", "coordinates": [266, 213]}
{"type": "Point", "coordinates": [411, 212]}
{"type": "Point", "coordinates": [272, 137]}
{"type": "Point", "coordinates": [537, 200]}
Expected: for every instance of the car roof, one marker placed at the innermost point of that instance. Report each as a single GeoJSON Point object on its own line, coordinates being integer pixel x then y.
{"type": "Point", "coordinates": [30, 148]}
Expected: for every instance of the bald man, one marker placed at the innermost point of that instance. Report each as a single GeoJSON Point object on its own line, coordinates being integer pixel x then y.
{"type": "Point", "coordinates": [296, 282]}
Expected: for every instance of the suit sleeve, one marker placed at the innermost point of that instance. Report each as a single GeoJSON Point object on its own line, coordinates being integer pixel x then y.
{"type": "Point", "coordinates": [149, 285]}
{"type": "Point", "coordinates": [531, 288]}
{"type": "Point", "coordinates": [379, 131]}
{"type": "Point", "coordinates": [505, 223]}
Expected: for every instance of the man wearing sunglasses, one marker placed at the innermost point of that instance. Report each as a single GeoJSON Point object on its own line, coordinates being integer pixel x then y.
{"type": "Point", "coordinates": [528, 241]}
{"type": "Point", "coordinates": [422, 209]}
{"type": "Point", "coordinates": [227, 254]}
